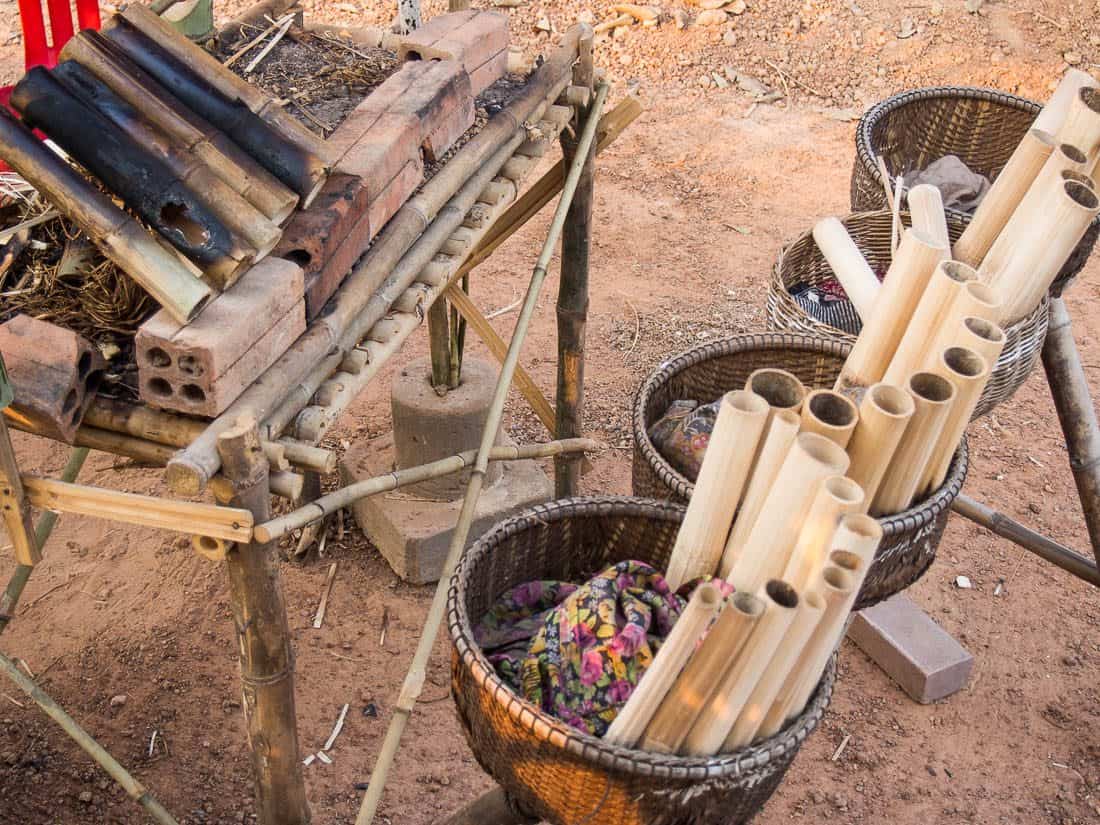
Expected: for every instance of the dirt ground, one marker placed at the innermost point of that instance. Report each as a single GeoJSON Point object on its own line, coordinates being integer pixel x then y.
{"type": "Point", "coordinates": [131, 632]}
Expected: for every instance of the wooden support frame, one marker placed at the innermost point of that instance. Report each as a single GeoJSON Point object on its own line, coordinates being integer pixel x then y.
{"type": "Point", "coordinates": [16, 506]}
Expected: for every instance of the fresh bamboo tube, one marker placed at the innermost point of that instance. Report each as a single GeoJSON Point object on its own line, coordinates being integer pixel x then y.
{"type": "Point", "coordinates": [848, 265]}
{"type": "Point", "coordinates": [969, 372]}
{"type": "Point", "coordinates": [778, 439]}
{"type": "Point", "coordinates": [742, 674]}
{"type": "Point", "coordinates": [1008, 189]}
{"type": "Point", "coordinates": [857, 534]}
{"type": "Point", "coordinates": [808, 615]}
{"type": "Point", "coordinates": [107, 62]}
{"type": "Point", "coordinates": [926, 212]}
{"type": "Point", "coordinates": [811, 459]}
{"type": "Point", "coordinates": [628, 727]}
{"type": "Point", "coordinates": [1054, 113]}
{"type": "Point", "coordinates": [696, 684]}
{"type": "Point", "coordinates": [166, 276]}
{"type": "Point", "coordinates": [884, 414]}
{"type": "Point", "coordinates": [944, 289]}
{"type": "Point", "coordinates": [977, 300]}
{"type": "Point", "coordinates": [835, 586]}
{"type": "Point", "coordinates": [726, 464]}
{"type": "Point", "coordinates": [905, 282]}
{"type": "Point", "coordinates": [933, 396]}
{"type": "Point", "coordinates": [781, 389]}
{"type": "Point", "coordinates": [984, 337]}
{"type": "Point", "coordinates": [829, 414]}
{"type": "Point", "coordinates": [836, 497]}
{"type": "Point", "coordinates": [1082, 124]}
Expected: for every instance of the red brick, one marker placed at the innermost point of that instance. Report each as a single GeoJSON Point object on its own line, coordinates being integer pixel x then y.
{"type": "Point", "coordinates": [382, 150]}
{"type": "Point", "coordinates": [54, 374]}
{"type": "Point", "coordinates": [489, 72]}
{"type": "Point", "coordinates": [394, 196]}
{"type": "Point", "coordinates": [470, 38]}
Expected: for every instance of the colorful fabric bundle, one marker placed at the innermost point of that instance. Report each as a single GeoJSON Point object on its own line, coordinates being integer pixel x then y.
{"type": "Point", "coordinates": [681, 435]}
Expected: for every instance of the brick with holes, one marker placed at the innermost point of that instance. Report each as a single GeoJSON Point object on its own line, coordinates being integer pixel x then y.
{"type": "Point", "coordinates": [473, 38]}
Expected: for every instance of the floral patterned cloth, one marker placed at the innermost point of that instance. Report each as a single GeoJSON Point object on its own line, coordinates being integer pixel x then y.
{"type": "Point", "coordinates": [682, 434]}
{"type": "Point", "coordinates": [577, 651]}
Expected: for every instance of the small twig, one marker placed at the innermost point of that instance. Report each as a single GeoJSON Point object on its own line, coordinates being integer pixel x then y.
{"type": "Point", "coordinates": [794, 80]}
{"type": "Point", "coordinates": [271, 45]}
{"type": "Point", "coordinates": [153, 742]}
{"type": "Point", "coordinates": [840, 748]}
{"type": "Point", "coordinates": [336, 41]}
{"type": "Point", "coordinates": [339, 726]}
{"type": "Point", "coordinates": [14, 701]}
{"type": "Point", "coordinates": [385, 626]}
{"type": "Point", "coordinates": [247, 47]}
{"type": "Point", "coordinates": [30, 223]}
{"type": "Point", "coordinates": [324, 757]}
{"type": "Point", "coordinates": [319, 123]}
{"type": "Point", "coordinates": [23, 664]}
{"type": "Point", "coordinates": [44, 595]}
{"type": "Point", "coordinates": [319, 619]}
{"type": "Point", "coordinates": [496, 313]}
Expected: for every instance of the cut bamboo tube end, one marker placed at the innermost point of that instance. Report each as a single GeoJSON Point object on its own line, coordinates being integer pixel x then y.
{"type": "Point", "coordinates": [836, 497]}
{"type": "Point", "coordinates": [848, 265]}
{"type": "Point", "coordinates": [781, 389]}
{"type": "Point", "coordinates": [984, 337]}
{"type": "Point", "coordinates": [1054, 113]}
{"type": "Point", "coordinates": [884, 414]}
{"type": "Point", "coordinates": [830, 414]}
{"type": "Point", "coordinates": [742, 675]}
{"type": "Point", "coordinates": [969, 372]}
{"type": "Point", "coordinates": [742, 416]}
{"type": "Point", "coordinates": [1082, 124]}
{"type": "Point", "coordinates": [698, 681]}
{"type": "Point", "coordinates": [932, 398]}
{"type": "Point", "coordinates": [926, 212]}
{"type": "Point", "coordinates": [977, 300]}
{"type": "Point", "coordinates": [859, 534]}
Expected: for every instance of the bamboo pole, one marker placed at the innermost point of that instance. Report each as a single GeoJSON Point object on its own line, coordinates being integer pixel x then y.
{"type": "Point", "coordinates": [808, 615]}
{"type": "Point", "coordinates": [699, 679]}
{"type": "Point", "coordinates": [15, 502]}
{"type": "Point", "coordinates": [158, 268]}
{"type": "Point", "coordinates": [848, 265]}
{"type": "Point", "coordinates": [969, 372]}
{"type": "Point", "coordinates": [775, 444]}
{"type": "Point", "coordinates": [163, 110]}
{"type": "Point", "coordinates": [933, 396]}
{"type": "Point", "coordinates": [905, 282]}
{"type": "Point", "coordinates": [1081, 127]}
{"type": "Point", "coordinates": [1009, 188]}
{"type": "Point", "coordinates": [414, 680]}
{"type": "Point", "coordinates": [811, 459]}
{"type": "Point", "coordinates": [836, 497]}
{"type": "Point", "coordinates": [722, 478]}
{"type": "Point", "coordinates": [943, 290]}
{"type": "Point", "coordinates": [781, 389]}
{"type": "Point", "coordinates": [977, 300]}
{"type": "Point", "coordinates": [263, 640]}
{"type": "Point", "coordinates": [326, 505]}
{"type": "Point", "coordinates": [742, 674]}
{"type": "Point", "coordinates": [294, 377]}
{"type": "Point", "coordinates": [927, 215]}
{"type": "Point", "coordinates": [830, 414]}
{"type": "Point", "coordinates": [859, 535]}
{"type": "Point", "coordinates": [1054, 113]}
{"type": "Point", "coordinates": [984, 337]}
{"type": "Point", "coordinates": [884, 415]}
{"type": "Point", "coordinates": [630, 723]}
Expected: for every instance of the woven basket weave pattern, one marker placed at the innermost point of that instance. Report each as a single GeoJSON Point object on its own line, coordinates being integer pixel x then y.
{"type": "Point", "coordinates": [912, 129]}
{"type": "Point", "coordinates": [551, 770]}
{"type": "Point", "coordinates": [705, 373]}
{"type": "Point", "coordinates": [801, 262]}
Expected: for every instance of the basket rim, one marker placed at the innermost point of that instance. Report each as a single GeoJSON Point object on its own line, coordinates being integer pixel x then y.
{"type": "Point", "coordinates": [905, 521]}
{"type": "Point", "coordinates": [585, 746]}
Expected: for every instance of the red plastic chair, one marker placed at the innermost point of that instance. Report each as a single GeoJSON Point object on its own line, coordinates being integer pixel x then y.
{"type": "Point", "coordinates": [36, 50]}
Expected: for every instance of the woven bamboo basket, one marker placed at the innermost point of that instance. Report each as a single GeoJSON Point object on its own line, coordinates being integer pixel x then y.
{"type": "Point", "coordinates": [551, 771]}
{"type": "Point", "coordinates": [912, 129]}
{"type": "Point", "coordinates": [801, 262]}
{"type": "Point", "coordinates": [706, 372]}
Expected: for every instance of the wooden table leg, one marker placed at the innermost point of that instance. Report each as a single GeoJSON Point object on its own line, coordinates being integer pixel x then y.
{"type": "Point", "coordinates": [263, 640]}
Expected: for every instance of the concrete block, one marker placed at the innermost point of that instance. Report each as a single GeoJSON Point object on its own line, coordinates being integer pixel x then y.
{"type": "Point", "coordinates": [472, 38]}
{"type": "Point", "coordinates": [918, 654]}
{"type": "Point", "coordinates": [54, 374]}
{"type": "Point", "coordinates": [489, 72]}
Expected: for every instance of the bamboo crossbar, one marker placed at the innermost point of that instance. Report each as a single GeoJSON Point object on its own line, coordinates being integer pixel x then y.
{"type": "Point", "coordinates": [346, 496]}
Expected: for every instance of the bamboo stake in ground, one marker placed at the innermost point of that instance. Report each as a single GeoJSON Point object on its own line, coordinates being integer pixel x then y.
{"type": "Point", "coordinates": [829, 414]}
{"type": "Point", "coordinates": [837, 496]}
{"type": "Point", "coordinates": [718, 489]}
{"type": "Point", "coordinates": [650, 692]}
{"type": "Point", "coordinates": [848, 265]}
{"type": "Point", "coordinates": [698, 681]}
{"type": "Point", "coordinates": [15, 502]}
{"type": "Point", "coordinates": [884, 414]}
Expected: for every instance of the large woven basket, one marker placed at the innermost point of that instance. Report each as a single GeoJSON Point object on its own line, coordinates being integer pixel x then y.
{"type": "Point", "coordinates": [801, 262]}
{"type": "Point", "coordinates": [708, 371]}
{"type": "Point", "coordinates": [912, 129]}
{"type": "Point", "coordinates": [550, 770]}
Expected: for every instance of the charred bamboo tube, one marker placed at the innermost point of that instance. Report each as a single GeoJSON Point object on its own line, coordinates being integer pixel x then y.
{"type": "Point", "coordinates": [241, 218]}
{"type": "Point", "coordinates": [836, 586]}
{"type": "Point", "coordinates": [969, 372]}
{"type": "Point", "coordinates": [741, 676]}
{"type": "Point", "coordinates": [829, 414]}
{"type": "Point", "coordinates": [144, 181]}
{"type": "Point", "coordinates": [635, 715]}
{"type": "Point", "coordinates": [774, 446]}
{"type": "Point", "coordinates": [933, 396]}
{"type": "Point", "coordinates": [884, 415]}
{"type": "Point", "coordinates": [1004, 196]}
{"type": "Point", "coordinates": [811, 459]}
{"type": "Point", "coordinates": [1081, 127]}
{"type": "Point", "coordinates": [837, 496]}
{"type": "Point", "coordinates": [204, 65]}
{"type": "Point", "coordinates": [296, 375]}
{"type": "Point", "coordinates": [926, 212]}
{"type": "Point", "coordinates": [1054, 113]}
{"type": "Point", "coordinates": [153, 264]}
{"type": "Point", "coordinates": [781, 389]}
{"type": "Point", "coordinates": [302, 170]}
{"type": "Point", "coordinates": [848, 265]}
{"type": "Point", "coordinates": [905, 282]}
{"type": "Point", "coordinates": [944, 289]}
{"type": "Point", "coordinates": [722, 476]}
{"type": "Point", "coordinates": [699, 679]}
{"type": "Point", "coordinates": [807, 616]}
{"type": "Point", "coordinates": [161, 108]}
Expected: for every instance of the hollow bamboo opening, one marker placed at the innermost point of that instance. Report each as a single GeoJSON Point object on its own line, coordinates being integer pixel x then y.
{"type": "Point", "coordinates": [1078, 177]}
{"type": "Point", "coordinates": [964, 361]}
{"type": "Point", "coordinates": [832, 408]}
{"type": "Point", "coordinates": [892, 401]}
{"type": "Point", "coordinates": [986, 330]}
{"type": "Point", "coordinates": [959, 272]}
{"type": "Point", "coordinates": [844, 490]}
{"type": "Point", "coordinates": [778, 387]}
{"type": "Point", "coordinates": [781, 593]}
{"type": "Point", "coordinates": [845, 560]}
{"type": "Point", "coordinates": [983, 295]}
{"type": "Point", "coordinates": [931, 387]}
{"type": "Point", "coordinates": [1082, 196]}
{"type": "Point", "coordinates": [1073, 154]}
{"type": "Point", "coordinates": [744, 602]}
{"type": "Point", "coordinates": [836, 577]}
